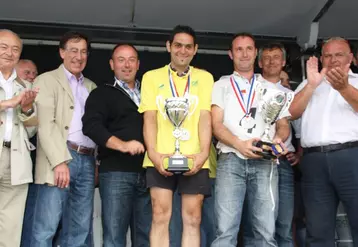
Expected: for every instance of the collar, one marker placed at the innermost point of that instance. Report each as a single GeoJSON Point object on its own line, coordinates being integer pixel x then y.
{"type": "Point", "coordinates": [351, 74]}
{"type": "Point", "coordinates": [125, 85]}
{"type": "Point", "coordinates": [186, 72]}
{"type": "Point", "coordinates": [71, 76]}
{"type": "Point", "coordinates": [258, 77]}
{"type": "Point", "coordinates": [12, 77]}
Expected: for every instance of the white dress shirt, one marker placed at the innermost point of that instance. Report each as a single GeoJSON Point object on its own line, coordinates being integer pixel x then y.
{"type": "Point", "coordinates": [7, 85]}
{"type": "Point", "coordinates": [328, 118]}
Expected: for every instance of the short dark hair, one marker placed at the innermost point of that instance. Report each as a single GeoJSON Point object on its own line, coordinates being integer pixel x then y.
{"type": "Point", "coordinates": [73, 35]}
{"type": "Point", "coordinates": [124, 44]}
{"type": "Point", "coordinates": [270, 47]}
{"type": "Point", "coordinates": [182, 29]}
{"type": "Point", "coordinates": [242, 34]}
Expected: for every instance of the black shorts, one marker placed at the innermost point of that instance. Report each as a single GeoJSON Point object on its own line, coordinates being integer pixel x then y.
{"type": "Point", "coordinates": [193, 185]}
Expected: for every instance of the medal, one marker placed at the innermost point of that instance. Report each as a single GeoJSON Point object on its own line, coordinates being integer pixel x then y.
{"type": "Point", "coordinates": [185, 135]}
{"type": "Point", "coordinates": [247, 122]}
{"type": "Point", "coordinates": [173, 88]}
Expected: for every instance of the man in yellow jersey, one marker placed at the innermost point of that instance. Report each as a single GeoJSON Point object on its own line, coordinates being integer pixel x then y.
{"type": "Point", "coordinates": [176, 80]}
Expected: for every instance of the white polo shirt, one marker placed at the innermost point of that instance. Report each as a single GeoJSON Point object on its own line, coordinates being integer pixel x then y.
{"type": "Point", "coordinates": [224, 96]}
{"type": "Point", "coordinates": [328, 118]}
{"type": "Point", "coordinates": [6, 85]}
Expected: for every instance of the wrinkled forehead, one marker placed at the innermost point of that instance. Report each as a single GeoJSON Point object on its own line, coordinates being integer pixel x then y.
{"type": "Point", "coordinates": [30, 66]}
{"type": "Point", "coordinates": [272, 51]}
{"type": "Point", "coordinates": [10, 38]}
{"type": "Point", "coordinates": [76, 43]}
{"type": "Point", "coordinates": [336, 46]}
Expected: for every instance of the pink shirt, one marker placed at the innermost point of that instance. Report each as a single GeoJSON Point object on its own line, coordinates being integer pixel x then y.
{"type": "Point", "coordinates": [80, 95]}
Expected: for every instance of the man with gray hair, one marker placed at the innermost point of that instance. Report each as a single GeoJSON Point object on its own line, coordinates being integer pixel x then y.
{"type": "Point", "coordinates": [272, 59]}
{"type": "Point", "coordinates": [16, 113]}
{"type": "Point", "coordinates": [328, 104]}
{"type": "Point", "coordinates": [26, 70]}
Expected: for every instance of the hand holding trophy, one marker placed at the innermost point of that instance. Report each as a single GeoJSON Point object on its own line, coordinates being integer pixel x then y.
{"type": "Point", "coordinates": [177, 109]}
{"type": "Point", "coordinates": [272, 102]}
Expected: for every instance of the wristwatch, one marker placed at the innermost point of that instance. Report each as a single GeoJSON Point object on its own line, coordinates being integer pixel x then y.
{"type": "Point", "coordinates": [28, 112]}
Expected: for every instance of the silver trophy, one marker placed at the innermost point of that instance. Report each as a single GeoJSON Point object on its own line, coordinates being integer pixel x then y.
{"type": "Point", "coordinates": [271, 103]}
{"type": "Point", "coordinates": [177, 109]}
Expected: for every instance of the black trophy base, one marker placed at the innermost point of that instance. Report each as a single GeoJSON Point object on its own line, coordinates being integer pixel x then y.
{"type": "Point", "coordinates": [178, 165]}
{"type": "Point", "coordinates": [268, 150]}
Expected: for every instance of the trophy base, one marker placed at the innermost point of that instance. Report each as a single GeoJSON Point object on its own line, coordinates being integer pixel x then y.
{"type": "Point", "coordinates": [178, 165]}
{"type": "Point", "coordinates": [270, 150]}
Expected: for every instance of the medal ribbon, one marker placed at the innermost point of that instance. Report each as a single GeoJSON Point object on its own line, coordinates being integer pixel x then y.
{"type": "Point", "coordinates": [173, 88]}
{"type": "Point", "coordinates": [236, 88]}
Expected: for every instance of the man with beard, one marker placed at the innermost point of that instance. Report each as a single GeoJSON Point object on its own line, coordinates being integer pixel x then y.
{"type": "Point", "coordinates": [178, 79]}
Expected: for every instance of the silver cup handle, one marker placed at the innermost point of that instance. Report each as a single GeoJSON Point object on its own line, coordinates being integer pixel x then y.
{"type": "Point", "coordinates": [193, 100]}
{"type": "Point", "coordinates": [160, 106]}
{"type": "Point", "coordinates": [289, 99]}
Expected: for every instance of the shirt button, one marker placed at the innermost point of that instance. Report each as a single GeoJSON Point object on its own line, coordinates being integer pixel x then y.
{"type": "Point", "coordinates": [71, 107]}
{"type": "Point", "coordinates": [66, 127]}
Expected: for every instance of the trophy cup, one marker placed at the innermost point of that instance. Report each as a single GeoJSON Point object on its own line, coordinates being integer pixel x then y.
{"type": "Point", "coordinates": [271, 102]}
{"type": "Point", "coordinates": [176, 110]}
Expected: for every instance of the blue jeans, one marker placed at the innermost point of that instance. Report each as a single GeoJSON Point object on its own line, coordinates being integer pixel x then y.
{"type": "Point", "coordinates": [285, 209]}
{"type": "Point", "coordinates": [284, 219]}
{"type": "Point", "coordinates": [328, 178]}
{"type": "Point", "coordinates": [125, 198]}
{"type": "Point", "coordinates": [207, 227]}
{"type": "Point", "coordinates": [258, 179]}
{"type": "Point", "coordinates": [74, 205]}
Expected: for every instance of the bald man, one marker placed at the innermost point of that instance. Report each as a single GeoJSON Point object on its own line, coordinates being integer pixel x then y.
{"type": "Point", "coordinates": [26, 70]}
{"type": "Point", "coordinates": [16, 113]}
{"type": "Point", "coordinates": [328, 104]}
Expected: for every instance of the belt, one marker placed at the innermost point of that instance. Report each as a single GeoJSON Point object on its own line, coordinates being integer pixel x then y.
{"type": "Point", "coordinates": [6, 144]}
{"type": "Point", "coordinates": [331, 147]}
{"type": "Point", "coordinates": [80, 149]}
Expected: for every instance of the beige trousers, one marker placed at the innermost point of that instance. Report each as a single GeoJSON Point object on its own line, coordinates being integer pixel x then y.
{"type": "Point", "coordinates": [12, 204]}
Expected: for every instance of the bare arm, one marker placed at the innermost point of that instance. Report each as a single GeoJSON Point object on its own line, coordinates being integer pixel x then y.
{"type": "Point", "coordinates": [219, 129]}
{"type": "Point", "coordinates": [301, 101]}
{"type": "Point", "coordinates": [314, 79]}
{"type": "Point", "coordinates": [282, 129]}
{"type": "Point", "coordinates": [350, 94]}
{"type": "Point", "coordinates": [225, 136]}
{"type": "Point", "coordinates": [150, 130]}
{"type": "Point", "coordinates": [205, 134]}
{"type": "Point", "coordinates": [338, 78]}
{"type": "Point", "coordinates": [132, 147]}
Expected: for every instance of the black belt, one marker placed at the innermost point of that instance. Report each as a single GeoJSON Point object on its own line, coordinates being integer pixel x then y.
{"type": "Point", "coordinates": [331, 147]}
{"type": "Point", "coordinates": [6, 144]}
